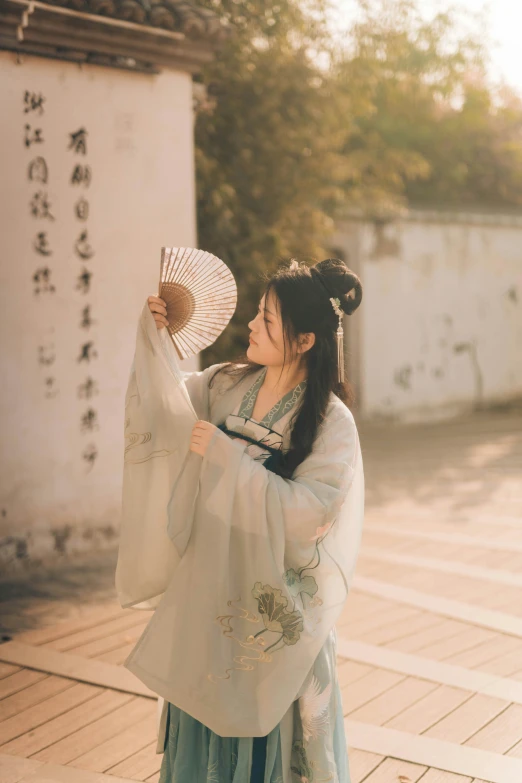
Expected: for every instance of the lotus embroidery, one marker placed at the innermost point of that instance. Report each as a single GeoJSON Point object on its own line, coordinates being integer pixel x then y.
{"type": "Point", "coordinates": [300, 584]}
{"type": "Point", "coordinates": [272, 606]}
{"type": "Point", "coordinates": [320, 531]}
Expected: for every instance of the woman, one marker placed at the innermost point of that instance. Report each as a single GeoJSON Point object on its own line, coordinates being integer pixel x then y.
{"type": "Point", "coordinates": [249, 568]}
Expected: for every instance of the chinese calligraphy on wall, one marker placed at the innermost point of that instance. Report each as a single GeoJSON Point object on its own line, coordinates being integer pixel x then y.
{"type": "Point", "coordinates": [46, 222]}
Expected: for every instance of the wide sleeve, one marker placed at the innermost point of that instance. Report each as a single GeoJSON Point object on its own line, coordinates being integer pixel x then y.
{"type": "Point", "coordinates": [264, 574]}
{"type": "Point", "coordinates": [302, 508]}
{"type": "Point", "coordinates": [267, 570]}
{"type": "Point", "coordinates": [195, 381]}
{"type": "Point", "coordinates": [161, 406]}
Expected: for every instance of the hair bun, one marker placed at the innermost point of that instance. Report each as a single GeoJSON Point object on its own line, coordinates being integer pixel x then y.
{"type": "Point", "coordinates": [341, 282]}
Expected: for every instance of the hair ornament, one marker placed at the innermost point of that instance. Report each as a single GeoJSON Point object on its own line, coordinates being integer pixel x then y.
{"type": "Point", "coordinates": [336, 304]}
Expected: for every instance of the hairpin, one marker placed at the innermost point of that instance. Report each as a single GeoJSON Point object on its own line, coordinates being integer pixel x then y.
{"type": "Point", "coordinates": [336, 304]}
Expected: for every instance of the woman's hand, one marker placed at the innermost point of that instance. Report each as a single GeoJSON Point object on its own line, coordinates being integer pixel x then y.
{"type": "Point", "coordinates": [202, 432]}
{"type": "Point", "coordinates": [158, 308]}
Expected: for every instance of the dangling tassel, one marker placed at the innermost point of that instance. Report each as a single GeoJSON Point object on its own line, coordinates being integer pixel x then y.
{"type": "Point", "coordinates": [340, 354]}
{"type": "Point", "coordinates": [336, 304]}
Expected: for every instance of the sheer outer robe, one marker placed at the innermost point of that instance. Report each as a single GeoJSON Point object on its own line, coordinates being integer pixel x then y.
{"type": "Point", "coordinates": [219, 544]}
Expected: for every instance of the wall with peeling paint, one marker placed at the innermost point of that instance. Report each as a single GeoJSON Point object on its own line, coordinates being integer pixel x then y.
{"type": "Point", "coordinates": [141, 196]}
{"type": "Point", "coordinates": [441, 320]}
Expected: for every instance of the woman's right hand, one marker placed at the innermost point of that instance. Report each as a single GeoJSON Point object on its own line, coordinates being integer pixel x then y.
{"type": "Point", "coordinates": [158, 308]}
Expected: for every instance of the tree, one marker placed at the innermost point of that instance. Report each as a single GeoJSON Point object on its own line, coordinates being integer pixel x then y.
{"type": "Point", "coordinates": [437, 133]}
{"type": "Point", "coordinates": [268, 150]}
{"type": "Point", "coordinates": [298, 129]}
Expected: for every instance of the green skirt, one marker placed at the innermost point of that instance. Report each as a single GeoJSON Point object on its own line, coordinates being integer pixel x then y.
{"type": "Point", "coordinates": [195, 754]}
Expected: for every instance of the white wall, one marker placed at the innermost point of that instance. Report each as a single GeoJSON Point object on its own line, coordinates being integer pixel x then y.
{"type": "Point", "coordinates": [140, 150]}
{"type": "Point", "coordinates": [441, 318]}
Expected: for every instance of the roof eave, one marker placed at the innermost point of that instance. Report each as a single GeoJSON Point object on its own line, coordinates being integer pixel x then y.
{"type": "Point", "coordinates": [53, 31]}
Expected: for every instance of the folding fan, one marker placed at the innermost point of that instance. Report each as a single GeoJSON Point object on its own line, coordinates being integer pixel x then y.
{"type": "Point", "coordinates": [200, 294]}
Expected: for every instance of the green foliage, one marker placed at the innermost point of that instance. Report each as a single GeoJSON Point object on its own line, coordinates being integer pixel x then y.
{"type": "Point", "coordinates": [297, 129]}
{"type": "Point", "coordinates": [437, 133]}
{"type": "Point", "coordinates": [266, 150]}
{"type": "Point", "coordinates": [476, 157]}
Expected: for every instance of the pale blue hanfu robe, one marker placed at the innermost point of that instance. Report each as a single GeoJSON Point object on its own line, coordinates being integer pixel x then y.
{"type": "Point", "coordinates": [247, 572]}
{"type": "Point", "coordinates": [193, 753]}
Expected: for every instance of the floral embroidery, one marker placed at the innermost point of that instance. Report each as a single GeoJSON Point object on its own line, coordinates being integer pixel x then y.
{"type": "Point", "coordinates": [320, 531]}
{"type": "Point", "coordinates": [276, 616]}
{"type": "Point", "coordinates": [297, 585]}
{"type": "Point", "coordinates": [275, 611]}
{"type": "Point", "coordinates": [272, 608]}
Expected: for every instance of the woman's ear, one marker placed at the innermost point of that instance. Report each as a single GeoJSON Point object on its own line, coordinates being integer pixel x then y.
{"type": "Point", "coordinates": [306, 341]}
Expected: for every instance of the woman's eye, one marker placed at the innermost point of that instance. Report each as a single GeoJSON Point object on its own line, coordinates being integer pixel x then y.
{"type": "Point", "coordinates": [260, 312]}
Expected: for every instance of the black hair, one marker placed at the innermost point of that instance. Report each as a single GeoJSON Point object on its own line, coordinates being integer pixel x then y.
{"type": "Point", "coordinates": [303, 296]}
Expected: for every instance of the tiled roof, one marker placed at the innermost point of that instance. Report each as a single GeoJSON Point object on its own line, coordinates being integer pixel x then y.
{"type": "Point", "coordinates": [176, 15]}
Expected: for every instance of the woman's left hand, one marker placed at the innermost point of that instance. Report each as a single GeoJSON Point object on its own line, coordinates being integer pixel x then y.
{"type": "Point", "coordinates": [202, 432]}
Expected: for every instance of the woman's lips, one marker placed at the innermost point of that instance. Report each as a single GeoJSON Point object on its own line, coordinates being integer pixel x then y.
{"type": "Point", "coordinates": [252, 340]}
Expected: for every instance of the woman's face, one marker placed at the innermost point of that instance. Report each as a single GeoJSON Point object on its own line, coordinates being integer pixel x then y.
{"type": "Point", "coordinates": [262, 349]}
{"type": "Point", "coordinates": [270, 352]}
